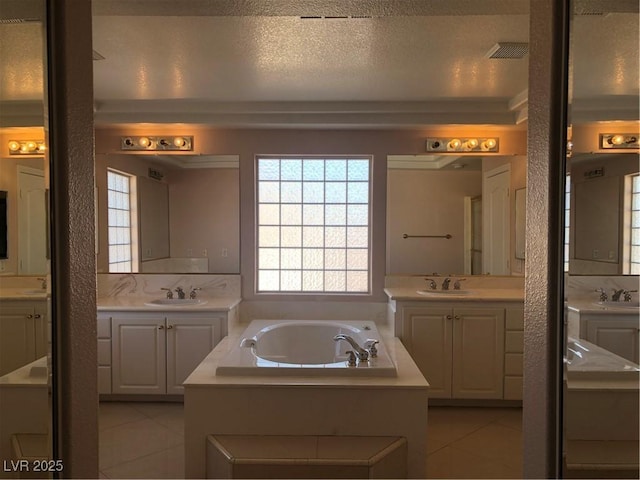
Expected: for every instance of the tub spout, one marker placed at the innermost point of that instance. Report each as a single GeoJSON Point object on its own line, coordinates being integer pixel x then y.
{"type": "Point", "coordinates": [360, 352]}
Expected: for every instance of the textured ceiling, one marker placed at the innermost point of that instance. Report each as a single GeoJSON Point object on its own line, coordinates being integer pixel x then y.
{"type": "Point", "coordinates": [257, 63]}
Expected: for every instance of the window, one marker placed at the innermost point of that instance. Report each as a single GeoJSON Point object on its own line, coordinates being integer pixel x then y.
{"type": "Point", "coordinates": [634, 257]}
{"type": "Point", "coordinates": [119, 194]}
{"type": "Point", "coordinates": [313, 224]}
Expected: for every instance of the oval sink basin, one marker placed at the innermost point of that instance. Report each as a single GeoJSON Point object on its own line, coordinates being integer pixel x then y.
{"type": "Point", "coordinates": [612, 304]}
{"type": "Point", "coordinates": [444, 292]}
{"type": "Point", "coordinates": [175, 302]}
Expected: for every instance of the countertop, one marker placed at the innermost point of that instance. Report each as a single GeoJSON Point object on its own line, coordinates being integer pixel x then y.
{"type": "Point", "coordinates": [22, 294]}
{"type": "Point", "coordinates": [590, 306]}
{"type": "Point", "coordinates": [408, 374]}
{"type": "Point", "coordinates": [473, 295]}
{"type": "Point", "coordinates": [130, 303]}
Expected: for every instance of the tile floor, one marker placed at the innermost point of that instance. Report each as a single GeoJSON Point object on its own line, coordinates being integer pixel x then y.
{"type": "Point", "coordinates": [146, 440]}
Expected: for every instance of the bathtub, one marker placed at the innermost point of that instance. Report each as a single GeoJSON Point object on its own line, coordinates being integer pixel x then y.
{"type": "Point", "coordinates": [587, 361]}
{"type": "Point", "coordinates": [304, 348]}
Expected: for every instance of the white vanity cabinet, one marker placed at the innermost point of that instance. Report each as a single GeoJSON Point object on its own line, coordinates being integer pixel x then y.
{"type": "Point", "coordinates": [458, 348]}
{"type": "Point", "coordinates": [618, 334]}
{"type": "Point", "coordinates": [153, 353]}
{"type": "Point", "coordinates": [23, 337]}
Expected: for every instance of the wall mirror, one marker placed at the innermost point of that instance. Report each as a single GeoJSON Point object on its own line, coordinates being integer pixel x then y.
{"type": "Point", "coordinates": [470, 198]}
{"type": "Point", "coordinates": [600, 381]}
{"type": "Point", "coordinates": [25, 307]}
{"type": "Point", "coordinates": [185, 219]}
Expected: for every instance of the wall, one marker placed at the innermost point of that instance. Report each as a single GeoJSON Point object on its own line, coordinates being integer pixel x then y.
{"type": "Point", "coordinates": [518, 167]}
{"type": "Point", "coordinates": [204, 211]}
{"type": "Point", "coordinates": [425, 202]}
{"type": "Point", "coordinates": [249, 143]}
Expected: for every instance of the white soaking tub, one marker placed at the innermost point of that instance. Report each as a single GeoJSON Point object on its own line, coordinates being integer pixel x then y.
{"type": "Point", "coordinates": [304, 347]}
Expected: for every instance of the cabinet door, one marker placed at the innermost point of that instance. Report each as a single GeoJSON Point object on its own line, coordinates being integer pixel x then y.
{"type": "Point", "coordinates": [17, 337]}
{"type": "Point", "coordinates": [478, 353]}
{"type": "Point", "coordinates": [138, 354]}
{"type": "Point", "coordinates": [189, 340]}
{"type": "Point", "coordinates": [617, 336]}
{"type": "Point", "coordinates": [41, 323]}
{"type": "Point", "coordinates": [427, 337]}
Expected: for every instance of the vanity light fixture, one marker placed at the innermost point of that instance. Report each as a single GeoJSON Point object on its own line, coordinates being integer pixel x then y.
{"type": "Point", "coordinates": [157, 143]}
{"type": "Point", "coordinates": [26, 147]}
{"type": "Point", "coordinates": [463, 144]}
{"type": "Point", "coordinates": [610, 141]}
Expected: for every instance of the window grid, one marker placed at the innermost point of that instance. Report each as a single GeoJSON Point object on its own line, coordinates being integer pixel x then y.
{"type": "Point", "coordinates": [305, 200]}
{"type": "Point", "coordinates": [119, 222]}
{"type": "Point", "coordinates": [634, 267]}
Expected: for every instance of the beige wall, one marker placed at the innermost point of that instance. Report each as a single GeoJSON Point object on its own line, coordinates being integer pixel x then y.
{"type": "Point", "coordinates": [423, 202]}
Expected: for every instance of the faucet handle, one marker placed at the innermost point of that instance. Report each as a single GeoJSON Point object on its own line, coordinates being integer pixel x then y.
{"type": "Point", "coordinates": [627, 294]}
{"type": "Point", "coordinates": [169, 292]}
{"type": "Point", "coordinates": [192, 294]}
{"type": "Point", "coordinates": [352, 358]}
{"type": "Point", "coordinates": [432, 283]}
{"type": "Point", "coordinates": [603, 294]}
{"type": "Point", "coordinates": [456, 285]}
{"type": "Point", "coordinates": [370, 345]}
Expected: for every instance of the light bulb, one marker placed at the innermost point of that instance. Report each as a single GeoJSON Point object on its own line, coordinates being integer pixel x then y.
{"type": "Point", "coordinates": [14, 146]}
{"type": "Point", "coordinates": [179, 142]}
{"type": "Point", "coordinates": [144, 142]}
{"type": "Point", "coordinates": [617, 139]}
{"type": "Point", "coordinates": [454, 144]}
{"type": "Point", "coordinates": [24, 148]}
{"type": "Point", "coordinates": [472, 143]}
{"type": "Point", "coordinates": [488, 144]}
{"type": "Point", "coordinates": [41, 148]}
{"type": "Point", "coordinates": [31, 145]}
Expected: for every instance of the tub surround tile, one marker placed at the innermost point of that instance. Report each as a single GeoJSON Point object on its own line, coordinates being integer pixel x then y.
{"type": "Point", "coordinates": [320, 310]}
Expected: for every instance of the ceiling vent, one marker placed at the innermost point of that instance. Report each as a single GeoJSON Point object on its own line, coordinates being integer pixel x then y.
{"type": "Point", "coordinates": [508, 50]}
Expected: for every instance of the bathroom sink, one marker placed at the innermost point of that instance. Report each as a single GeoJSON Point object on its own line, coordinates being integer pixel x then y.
{"type": "Point", "coordinates": [175, 302]}
{"type": "Point", "coordinates": [444, 292]}
{"type": "Point", "coordinates": [34, 291]}
{"type": "Point", "coordinates": [625, 305]}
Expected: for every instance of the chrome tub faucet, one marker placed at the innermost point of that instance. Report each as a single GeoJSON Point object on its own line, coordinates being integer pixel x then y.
{"type": "Point", "coordinates": [445, 283]}
{"type": "Point", "coordinates": [359, 352]}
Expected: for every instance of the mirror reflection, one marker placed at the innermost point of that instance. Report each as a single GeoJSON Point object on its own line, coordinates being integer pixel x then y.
{"type": "Point", "coordinates": [601, 372]}
{"type": "Point", "coordinates": [472, 199]}
{"type": "Point", "coordinates": [159, 217]}
{"type": "Point", "coordinates": [25, 307]}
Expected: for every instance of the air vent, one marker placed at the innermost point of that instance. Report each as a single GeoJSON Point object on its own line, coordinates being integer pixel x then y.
{"type": "Point", "coordinates": [336, 17]}
{"type": "Point", "coordinates": [508, 50]}
{"type": "Point", "coordinates": [17, 21]}
{"type": "Point", "coordinates": [97, 56]}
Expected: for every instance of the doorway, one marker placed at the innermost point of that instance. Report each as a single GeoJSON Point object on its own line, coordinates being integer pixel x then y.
{"type": "Point", "coordinates": [32, 222]}
{"type": "Point", "coordinates": [495, 213]}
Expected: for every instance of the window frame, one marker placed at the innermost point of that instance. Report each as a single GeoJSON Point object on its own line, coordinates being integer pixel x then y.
{"type": "Point", "coordinates": [132, 229]}
{"type": "Point", "coordinates": [325, 294]}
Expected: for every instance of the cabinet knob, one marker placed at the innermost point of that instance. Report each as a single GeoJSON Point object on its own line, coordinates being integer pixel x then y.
{"type": "Point", "coordinates": [449, 317]}
{"type": "Point", "coordinates": [169, 327]}
{"type": "Point", "coordinates": [37, 315]}
{"type": "Point", "coordinates": [29, 316]}
{"type": "Point", "coordinates": [457, 317]}
{"type": "Point", "coordinates": [160, 327]}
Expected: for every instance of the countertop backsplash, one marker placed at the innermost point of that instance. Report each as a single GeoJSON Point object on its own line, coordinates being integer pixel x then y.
{"type": "Point", "coordinates": [148, 285]}
{"type": "Point", "coordinates": [585, 286]}
{"type": "Point", "coordinates": [470, 281]}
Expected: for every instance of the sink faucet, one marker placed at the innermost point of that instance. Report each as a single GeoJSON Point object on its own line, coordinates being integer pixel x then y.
{"type": "Point", "coordinates": [445, 283]}
{"type": "Point", "coordinates": [616, 294]}
{"type": "Point", "coordinates": [180, 293]}
{"type": "Point", "coordinates": [432, 283]}
{"type": "Point", "coordinates": [192, 294]}
{"type": "Point", "coordinates": [603, 294]}
{"type": "Point", "coordinates": [360, 352]}
{"type": "Point", "coordinates": [169, 292]}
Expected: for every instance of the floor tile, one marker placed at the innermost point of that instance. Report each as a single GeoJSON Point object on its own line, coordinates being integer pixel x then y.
{"type": "Point", "coordinates": [133, 440]}
{"type": "Point", "coordinates": [164, 464]}
{"type": "Point", "coordinates": [448, 424]}
{"type": "Point", "coordinates": [112, 414]}
{"type": "Point", "coordinates": [511, 418]}
{"type": "Point", "coordinates": [450, 462]}
{"type": "Point", "coordinates": [495, 443]}
{"type": "Point", "coordinates": [155, 409]}
{"type": "Point", "coordinates": [173, 419]}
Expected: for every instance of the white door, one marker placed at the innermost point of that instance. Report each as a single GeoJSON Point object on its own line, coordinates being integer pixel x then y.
{"type": "Point", "coordinates": [32, 222]}
{"type": "Point", "coordinates": [427, 336]}
{"type": "Point", "coordinates": [495, 222]}
{"type": "Point", "coordinates": [189, 340]}
{"type": "Point", "coordinates": [478, 353]}
{"type": "Point", "coordinates": [138, 353]}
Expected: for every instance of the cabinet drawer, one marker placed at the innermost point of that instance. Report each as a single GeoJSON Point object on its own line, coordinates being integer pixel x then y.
{"type": "Point", "coordinates": [104, 351]}
{"type": "Point", "coordinates": [515, 319]}
{"type": "Point", "coordinates": [104, 380]}
{"type": "Point", "coordinates": [513, 364]}
{"type": "Point", "coordinates": [513, 388]}
{"type": "Point", "coordinates": [514, 342]}
{"type": "Point", "coordinates": [104, 327]}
